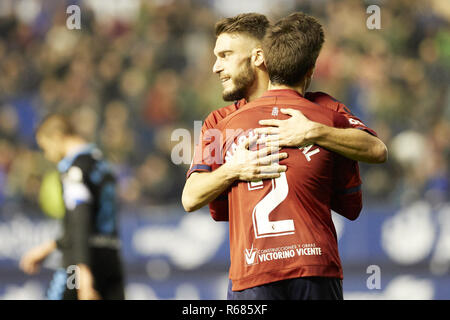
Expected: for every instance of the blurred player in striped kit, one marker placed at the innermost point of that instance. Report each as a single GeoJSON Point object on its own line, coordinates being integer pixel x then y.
{"type": "Point", "coordinates": [90, 242]}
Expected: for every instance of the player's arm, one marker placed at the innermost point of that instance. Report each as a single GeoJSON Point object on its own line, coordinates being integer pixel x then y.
{"type": "Point", "coordinates": [80, 203]}
{"type": "Point", "coordinates": [347, 205]}
{"type": "Point", "coordinates": [86, 290]}
{"type": "Point", "coordinates": [218, 208]}
{"type": "Point", "coordinates": [203, 187]}
{"type": "Point", "coordinates": [347, 195]}
{"type": "Point", "coordinates": [299, 131]}
{"type": "Point", "coordinates": [31, 261]}
{"type": "Point", "coordinates": [81, 223]}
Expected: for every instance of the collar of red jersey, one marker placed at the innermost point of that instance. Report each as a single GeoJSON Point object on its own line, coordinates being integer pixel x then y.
{"type": "Point", "coordinates": [281, 92]}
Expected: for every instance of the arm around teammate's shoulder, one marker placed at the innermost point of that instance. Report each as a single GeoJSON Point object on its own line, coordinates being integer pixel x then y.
{"type": "Point", "coordinates": [203, 187]}
{"type": "Point", "coordinates": [352, 143]}
{"type": "Point", "coordinates": [299, 131]}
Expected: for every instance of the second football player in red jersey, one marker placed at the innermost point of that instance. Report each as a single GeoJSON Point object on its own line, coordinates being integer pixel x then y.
{"type": "Point", "coordinates": [282, 228]}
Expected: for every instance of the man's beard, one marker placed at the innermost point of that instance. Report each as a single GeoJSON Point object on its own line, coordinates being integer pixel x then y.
{"type": "Point", "coordinates": [242, 82]}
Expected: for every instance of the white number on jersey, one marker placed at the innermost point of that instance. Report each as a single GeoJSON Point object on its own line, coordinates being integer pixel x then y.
{"type": "Point", "coordinates": [261, 224]}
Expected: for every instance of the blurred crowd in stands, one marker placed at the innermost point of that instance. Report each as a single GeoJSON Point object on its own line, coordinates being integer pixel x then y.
{"type": "Point", "coordinates": [137, 70]}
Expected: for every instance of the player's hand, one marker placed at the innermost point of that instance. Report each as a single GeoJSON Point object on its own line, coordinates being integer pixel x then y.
{"type": "Point", "coordinates": [31, 261]}
{"type": "Point", "coordinates": [86, 290]}
{"type": "Point", "coordinates": [256, 165]}
{"type": "Point", "coordinates": [292, 132]}
{"type": "Point", "coordinates": [88, 293]}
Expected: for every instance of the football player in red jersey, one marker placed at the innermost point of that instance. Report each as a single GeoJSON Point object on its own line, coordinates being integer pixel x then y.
{"type": "Point", "coordinates": [283, 244]}
{"type": "Point", "coordinates": [240, 66]}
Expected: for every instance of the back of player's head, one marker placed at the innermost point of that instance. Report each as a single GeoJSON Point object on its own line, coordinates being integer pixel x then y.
{"type": "Point", "coordinates": [252, 24]}
{"type": "Point", "coordinates": [55, 124]}
{"type": "Point", "coordinates": [291, 48]}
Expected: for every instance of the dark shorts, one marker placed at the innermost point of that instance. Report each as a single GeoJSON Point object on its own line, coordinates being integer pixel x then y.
{"type": "Point", "coordinates": [111, 288]}
{"type": "Point", "coordinates": [305, 288]}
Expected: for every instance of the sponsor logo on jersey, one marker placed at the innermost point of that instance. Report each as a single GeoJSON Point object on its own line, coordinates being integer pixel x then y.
{"type": "Point", "coordinates": [250, 256]}
{"type": "Point", "coordinates": [254, 256]}
{"type": "Point", "coordinates": [356, 122]}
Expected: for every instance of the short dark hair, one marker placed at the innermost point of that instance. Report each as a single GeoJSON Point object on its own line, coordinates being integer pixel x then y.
{"type": "Point", "coordinates": [253, 24]}
{"type": "Point", "coordinates": [291, 48]}
{"type": "Point", "coordinates": [55, 123]}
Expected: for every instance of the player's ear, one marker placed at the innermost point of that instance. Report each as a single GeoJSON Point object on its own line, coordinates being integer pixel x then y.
{"type": "Point", "coordinates": [258, 57]}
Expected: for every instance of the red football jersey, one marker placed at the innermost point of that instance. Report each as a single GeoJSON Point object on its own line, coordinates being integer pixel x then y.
{"type": "Point", "coordinates": [282, 228]}
{"type": "Point", "coordinates": [204, 162]}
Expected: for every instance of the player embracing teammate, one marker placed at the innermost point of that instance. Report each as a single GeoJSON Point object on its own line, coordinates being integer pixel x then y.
{"type": "Point", "coordinates": [283, 244]}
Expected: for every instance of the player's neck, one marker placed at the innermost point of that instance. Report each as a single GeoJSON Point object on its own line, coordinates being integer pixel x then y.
{"type": "Point", "coordinates": [73, 144]}
{"type": "Point", "coordinates": [259, 86]}
{"type": "Point", "coordinates": [299, 88]}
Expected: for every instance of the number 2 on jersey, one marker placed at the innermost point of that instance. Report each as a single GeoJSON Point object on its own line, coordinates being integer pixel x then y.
{"type": "Point", "coordinates": [261, 224]}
